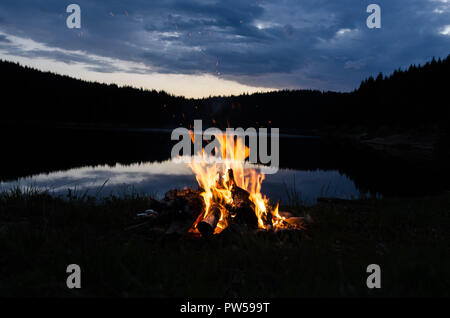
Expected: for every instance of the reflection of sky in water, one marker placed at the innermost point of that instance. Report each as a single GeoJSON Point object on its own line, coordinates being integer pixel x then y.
{"type": "Point", "coordinates": [158, 177]}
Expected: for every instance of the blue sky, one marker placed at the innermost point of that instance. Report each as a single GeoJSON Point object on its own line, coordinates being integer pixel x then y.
{"type": "Point", "coordinates": [204, 47]}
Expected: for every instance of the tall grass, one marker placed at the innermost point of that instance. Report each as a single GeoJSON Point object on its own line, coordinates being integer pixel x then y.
{"type": "Point", "coordinates": [41, 234]}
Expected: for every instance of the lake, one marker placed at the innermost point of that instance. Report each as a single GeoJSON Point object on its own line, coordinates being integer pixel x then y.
{"type": "Point", "coordinates": [157, 178]}
{"type": "Point", "coordinates": [104, 162]}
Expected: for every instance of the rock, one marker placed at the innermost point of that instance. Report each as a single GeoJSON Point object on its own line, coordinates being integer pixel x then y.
{"type": "Point", "coordinates": [148, 213]}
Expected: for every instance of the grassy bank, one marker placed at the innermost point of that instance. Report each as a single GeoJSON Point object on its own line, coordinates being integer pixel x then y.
{"type": "Point", "coordinates": [40, 235]}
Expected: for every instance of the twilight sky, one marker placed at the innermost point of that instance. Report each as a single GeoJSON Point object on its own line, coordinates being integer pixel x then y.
{"type": "Point", "coordinates": [204, 47]}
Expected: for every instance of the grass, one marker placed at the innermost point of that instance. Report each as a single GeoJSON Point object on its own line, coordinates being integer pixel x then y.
{"type": "Point", "coordinates": [41, 234]}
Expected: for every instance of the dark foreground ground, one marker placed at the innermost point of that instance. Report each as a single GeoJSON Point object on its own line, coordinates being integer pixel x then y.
{"type": "Point", "coordinates": [40, 235]}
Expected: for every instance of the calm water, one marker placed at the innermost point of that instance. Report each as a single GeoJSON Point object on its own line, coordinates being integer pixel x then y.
{"type": "Point", "coordinates": [83, 160]}
{"type": "Point", "coordinates": [158, 177]}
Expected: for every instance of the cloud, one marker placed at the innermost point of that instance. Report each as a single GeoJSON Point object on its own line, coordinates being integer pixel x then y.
{"type": "Point", "coordinates": [445, 30]}
{"type": "Point", "coordinates": [4, 39]}
{"type": "Point", "coordinates": [278, 44]}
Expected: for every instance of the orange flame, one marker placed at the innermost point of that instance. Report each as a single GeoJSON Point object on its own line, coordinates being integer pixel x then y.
{"type": "Point", "coordinates": [212, 178]}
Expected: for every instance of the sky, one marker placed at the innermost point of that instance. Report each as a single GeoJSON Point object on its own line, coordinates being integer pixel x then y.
{"type": "Point", "coordinates": [198, 48]}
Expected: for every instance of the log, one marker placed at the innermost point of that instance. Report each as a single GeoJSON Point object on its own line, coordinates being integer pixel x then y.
{"type": "Point", "coordinates": [208, 224]}
{"type": "Point", "coordinates": [296, 222]}
{"type": "Point", "coordinates": [186, 200]}
{"type": "Point", "coordinates": [268, 220]}
{"type": "Point", "coordinates": [242, 208]}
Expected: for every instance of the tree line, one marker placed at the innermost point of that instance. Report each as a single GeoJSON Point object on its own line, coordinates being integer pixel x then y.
{"type": "Point", "coordinates": [415, 98]}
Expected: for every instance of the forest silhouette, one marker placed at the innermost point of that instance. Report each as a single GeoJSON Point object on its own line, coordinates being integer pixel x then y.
{"type": "Point", "coordinates": [415, 99]}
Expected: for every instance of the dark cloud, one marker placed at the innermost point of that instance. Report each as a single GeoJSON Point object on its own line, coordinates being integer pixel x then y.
{"type": "Point", "coordinates": [283, 44]}
{"type": "Point", "coordinates": [4, 39]}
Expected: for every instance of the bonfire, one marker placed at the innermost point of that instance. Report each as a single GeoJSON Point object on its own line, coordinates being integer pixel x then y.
{"type": "Point", "coordinates": [231, 191]}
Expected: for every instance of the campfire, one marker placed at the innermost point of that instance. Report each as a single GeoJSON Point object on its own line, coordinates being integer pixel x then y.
{"type": "Point", "coordinates": [228, 195]}
{"type": "Point", "coordinates": [231, 192]}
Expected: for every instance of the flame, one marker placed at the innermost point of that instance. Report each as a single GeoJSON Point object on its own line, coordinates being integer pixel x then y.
{"type": "Point", "coordinates": [213, 180]}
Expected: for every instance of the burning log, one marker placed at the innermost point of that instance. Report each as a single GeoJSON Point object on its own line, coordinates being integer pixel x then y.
{"type": "Point", "coordinates": [296, 222]}
{"type": "Point", "coordinates": [242, 208]}
{"type": "Point", "coordinates": [268, 221]}
{"type": "Point", "coordinates": [208, 224]}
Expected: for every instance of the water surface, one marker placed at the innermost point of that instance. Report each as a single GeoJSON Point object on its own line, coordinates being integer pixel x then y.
{"type": "Point", "coordinates": [156, 178]}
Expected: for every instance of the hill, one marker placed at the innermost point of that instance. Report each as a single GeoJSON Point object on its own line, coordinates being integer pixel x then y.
{"type": "Point", "coordinates": [405, 100]}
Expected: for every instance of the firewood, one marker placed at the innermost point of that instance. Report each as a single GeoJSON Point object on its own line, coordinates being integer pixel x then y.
{"type": "Point", "coordinates": [187, 200]}
{"type": "Point", "coordinates": [208, 224]}
{"type": "Point", "coordinates": [267, 219]}
{"type": "Point", "coordinates": [242, 208]}
{"type": "Point", "coordinates": [295, 222]}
